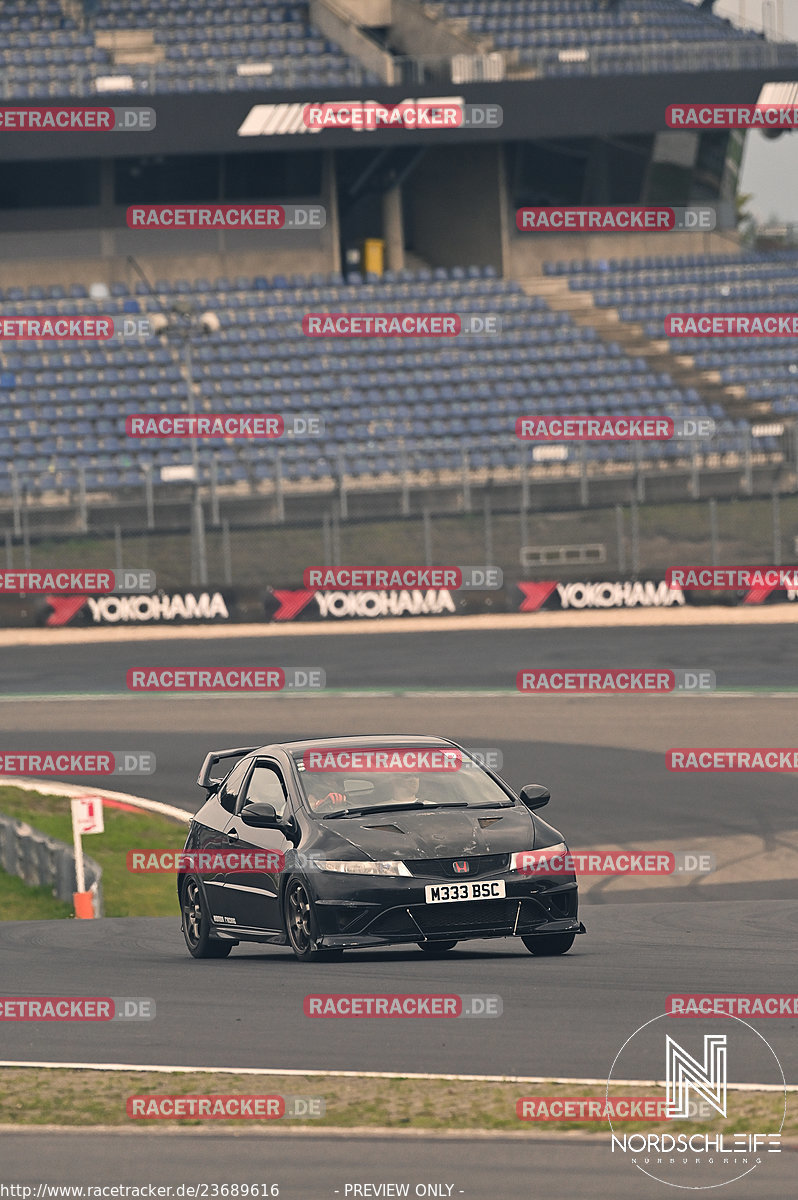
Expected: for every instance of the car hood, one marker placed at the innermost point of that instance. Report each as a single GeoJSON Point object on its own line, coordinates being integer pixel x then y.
{"type": "Point", "coordinates": [437, 832]}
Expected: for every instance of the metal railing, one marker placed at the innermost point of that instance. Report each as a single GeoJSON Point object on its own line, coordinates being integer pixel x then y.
{"type": "Point", "coordinates": [42, 861]}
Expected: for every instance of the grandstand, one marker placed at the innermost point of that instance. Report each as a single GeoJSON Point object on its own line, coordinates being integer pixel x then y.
{"type": "Point", "coordinates": [581, 330]}
{"type": "Point", "coordinates": [419, 405]}
{"type": "Point", "coordinates": [577, 37]}
{"type": "Point", "coordinates": [51, 48]}
{"type": "Point", "coordinates": [644, 291]}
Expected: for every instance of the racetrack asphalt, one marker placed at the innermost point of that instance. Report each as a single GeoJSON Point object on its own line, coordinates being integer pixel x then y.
{"type": "Point", "coordinates": [562, 1017]}
{"type": "Point", "coordinates": [603, 758]}
{"type": "Point", "coordinates": [322, 1167]}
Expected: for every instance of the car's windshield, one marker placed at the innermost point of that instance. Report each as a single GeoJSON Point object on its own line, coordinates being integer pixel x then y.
{"type": "Point", "coordinates": [463, 785]}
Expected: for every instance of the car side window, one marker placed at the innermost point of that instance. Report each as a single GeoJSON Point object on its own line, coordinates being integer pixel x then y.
{"type": "Point", "coordinates": [265, 785]}
{"type": "Point", "coordinates": [230, 788]}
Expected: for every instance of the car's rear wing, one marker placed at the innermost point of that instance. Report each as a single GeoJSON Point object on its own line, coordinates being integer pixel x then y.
{"type": "Point", "coordinates": [204, 778]}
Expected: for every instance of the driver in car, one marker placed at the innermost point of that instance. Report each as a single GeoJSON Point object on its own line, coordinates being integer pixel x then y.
{"type": "Point", "coordinates": [405, 789]}
{"type": "Point", "coordinates": [326, 801]}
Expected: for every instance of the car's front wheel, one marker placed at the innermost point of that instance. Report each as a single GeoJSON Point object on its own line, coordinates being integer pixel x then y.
{"type": "Point", "coordinates": [436, 949]}
{"type": "Point", "coordinates": [300, 924]}
{"type": "Point", "coordinates": [549, 944]}
{"type": "Point", "coordinates": [197, 923]}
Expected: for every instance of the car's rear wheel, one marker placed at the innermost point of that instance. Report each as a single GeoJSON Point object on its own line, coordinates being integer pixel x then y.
{"type": "Point", "coordinates": [549, 944]}
{"type": "Point", "coordinates": [436, 949]}
{"type": "Point", "coordinates": [300, 925]}
{"type": "Point", "coordinates": [197, 923]}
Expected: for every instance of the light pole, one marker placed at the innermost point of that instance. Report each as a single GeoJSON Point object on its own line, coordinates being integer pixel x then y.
{"type": "Point", "coordinates": [181, 323]}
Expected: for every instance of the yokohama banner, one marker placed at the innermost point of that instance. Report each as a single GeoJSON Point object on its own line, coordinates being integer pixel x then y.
{"type": "Point", "coordinates": [309, 604]}
{"type": "Point", "coordinates": [541, 595]}
{"type": "Point", "coordinates": [274, 604]}
{"type": "Point", "coordinates": [156, 608]}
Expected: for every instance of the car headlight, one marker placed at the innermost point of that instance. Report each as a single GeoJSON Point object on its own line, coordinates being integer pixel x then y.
{"type": "Point", "coordinates": [552, 860]}
{"type": "Point", "coordinates": [362, 867]}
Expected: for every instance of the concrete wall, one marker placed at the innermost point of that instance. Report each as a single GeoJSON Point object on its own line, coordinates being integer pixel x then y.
{"type": "Point", "coordinates": [414, 33]}
{"type": "Point", "coordinates": [336, 24]}
{"type": "Point", "coordinates": [367, 13]}
{"type": "Point", "coordinates": [90, 268]}
{"type": "Point", "coordinates": [90, 245]}
{"type": "Point", "coordinates": [528, 252]}
{"type": "Point", "coordinates": [455, 199]}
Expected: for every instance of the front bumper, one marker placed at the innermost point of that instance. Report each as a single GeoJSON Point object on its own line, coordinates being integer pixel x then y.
{"type": "Point", "coordinates": [383, 911]}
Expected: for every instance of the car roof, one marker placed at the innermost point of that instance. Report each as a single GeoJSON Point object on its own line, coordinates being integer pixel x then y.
{"type": "Point", "coordinates": [386, 741]}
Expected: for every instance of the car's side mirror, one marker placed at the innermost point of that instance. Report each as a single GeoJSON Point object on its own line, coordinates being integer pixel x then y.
{"type": "Point", "coordinates": [535, 795]}
{"type": "Point", "coordinates": [260, 814]}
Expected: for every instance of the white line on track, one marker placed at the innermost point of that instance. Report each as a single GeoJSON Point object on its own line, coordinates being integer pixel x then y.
{"type": "Point", "coordinates": [382, 1133]}
{"type": "Point", "coordinates": [777, 614]}
{"type": "Point", "coordinates": [286, 1071]}
{"type": "Point", "coordinates": [394, 693]}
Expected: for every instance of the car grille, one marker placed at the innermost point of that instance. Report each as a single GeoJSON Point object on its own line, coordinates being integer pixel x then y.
{"type": "Point", "coordinates": [480, 914]}
{"type": "Point", "coordinates": [497, 916]}
{"type": "Point", "coordinates": [443, 868]}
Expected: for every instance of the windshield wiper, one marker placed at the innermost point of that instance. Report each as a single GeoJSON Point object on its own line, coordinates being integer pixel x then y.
{"type": "Point", "coordinates": [398, 807]}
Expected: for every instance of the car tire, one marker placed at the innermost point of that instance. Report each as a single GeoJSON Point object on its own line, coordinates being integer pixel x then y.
{"type": "Point", "coordinates": [549, 944]}
{"type": "Point", "coordinates": [300, 925]}
{"type": "Point", "coordinates": [436, 949]}
{"type": "Point", "coordinates": [196, 923]}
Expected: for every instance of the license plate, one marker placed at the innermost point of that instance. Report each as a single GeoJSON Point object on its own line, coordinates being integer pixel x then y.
{"type": "Point", "coordinates": [440, 893]}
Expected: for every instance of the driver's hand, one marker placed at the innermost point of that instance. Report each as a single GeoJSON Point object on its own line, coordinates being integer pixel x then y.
{"type": "Point", "coordinates": [332, 799]}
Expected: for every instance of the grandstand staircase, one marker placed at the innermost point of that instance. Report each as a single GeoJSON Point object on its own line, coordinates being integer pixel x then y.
{"type": "Point", "coordinates": [634, 340]}
{"type": "Point", "coordinates": [127, 47]}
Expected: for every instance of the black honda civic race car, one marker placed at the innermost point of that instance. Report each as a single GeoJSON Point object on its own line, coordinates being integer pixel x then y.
{"type": "Point", "coordinates": [361, 842]}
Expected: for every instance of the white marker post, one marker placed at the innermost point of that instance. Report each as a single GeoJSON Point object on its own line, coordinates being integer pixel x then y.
{"type": "Point", "coordinates": [87, 817]}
